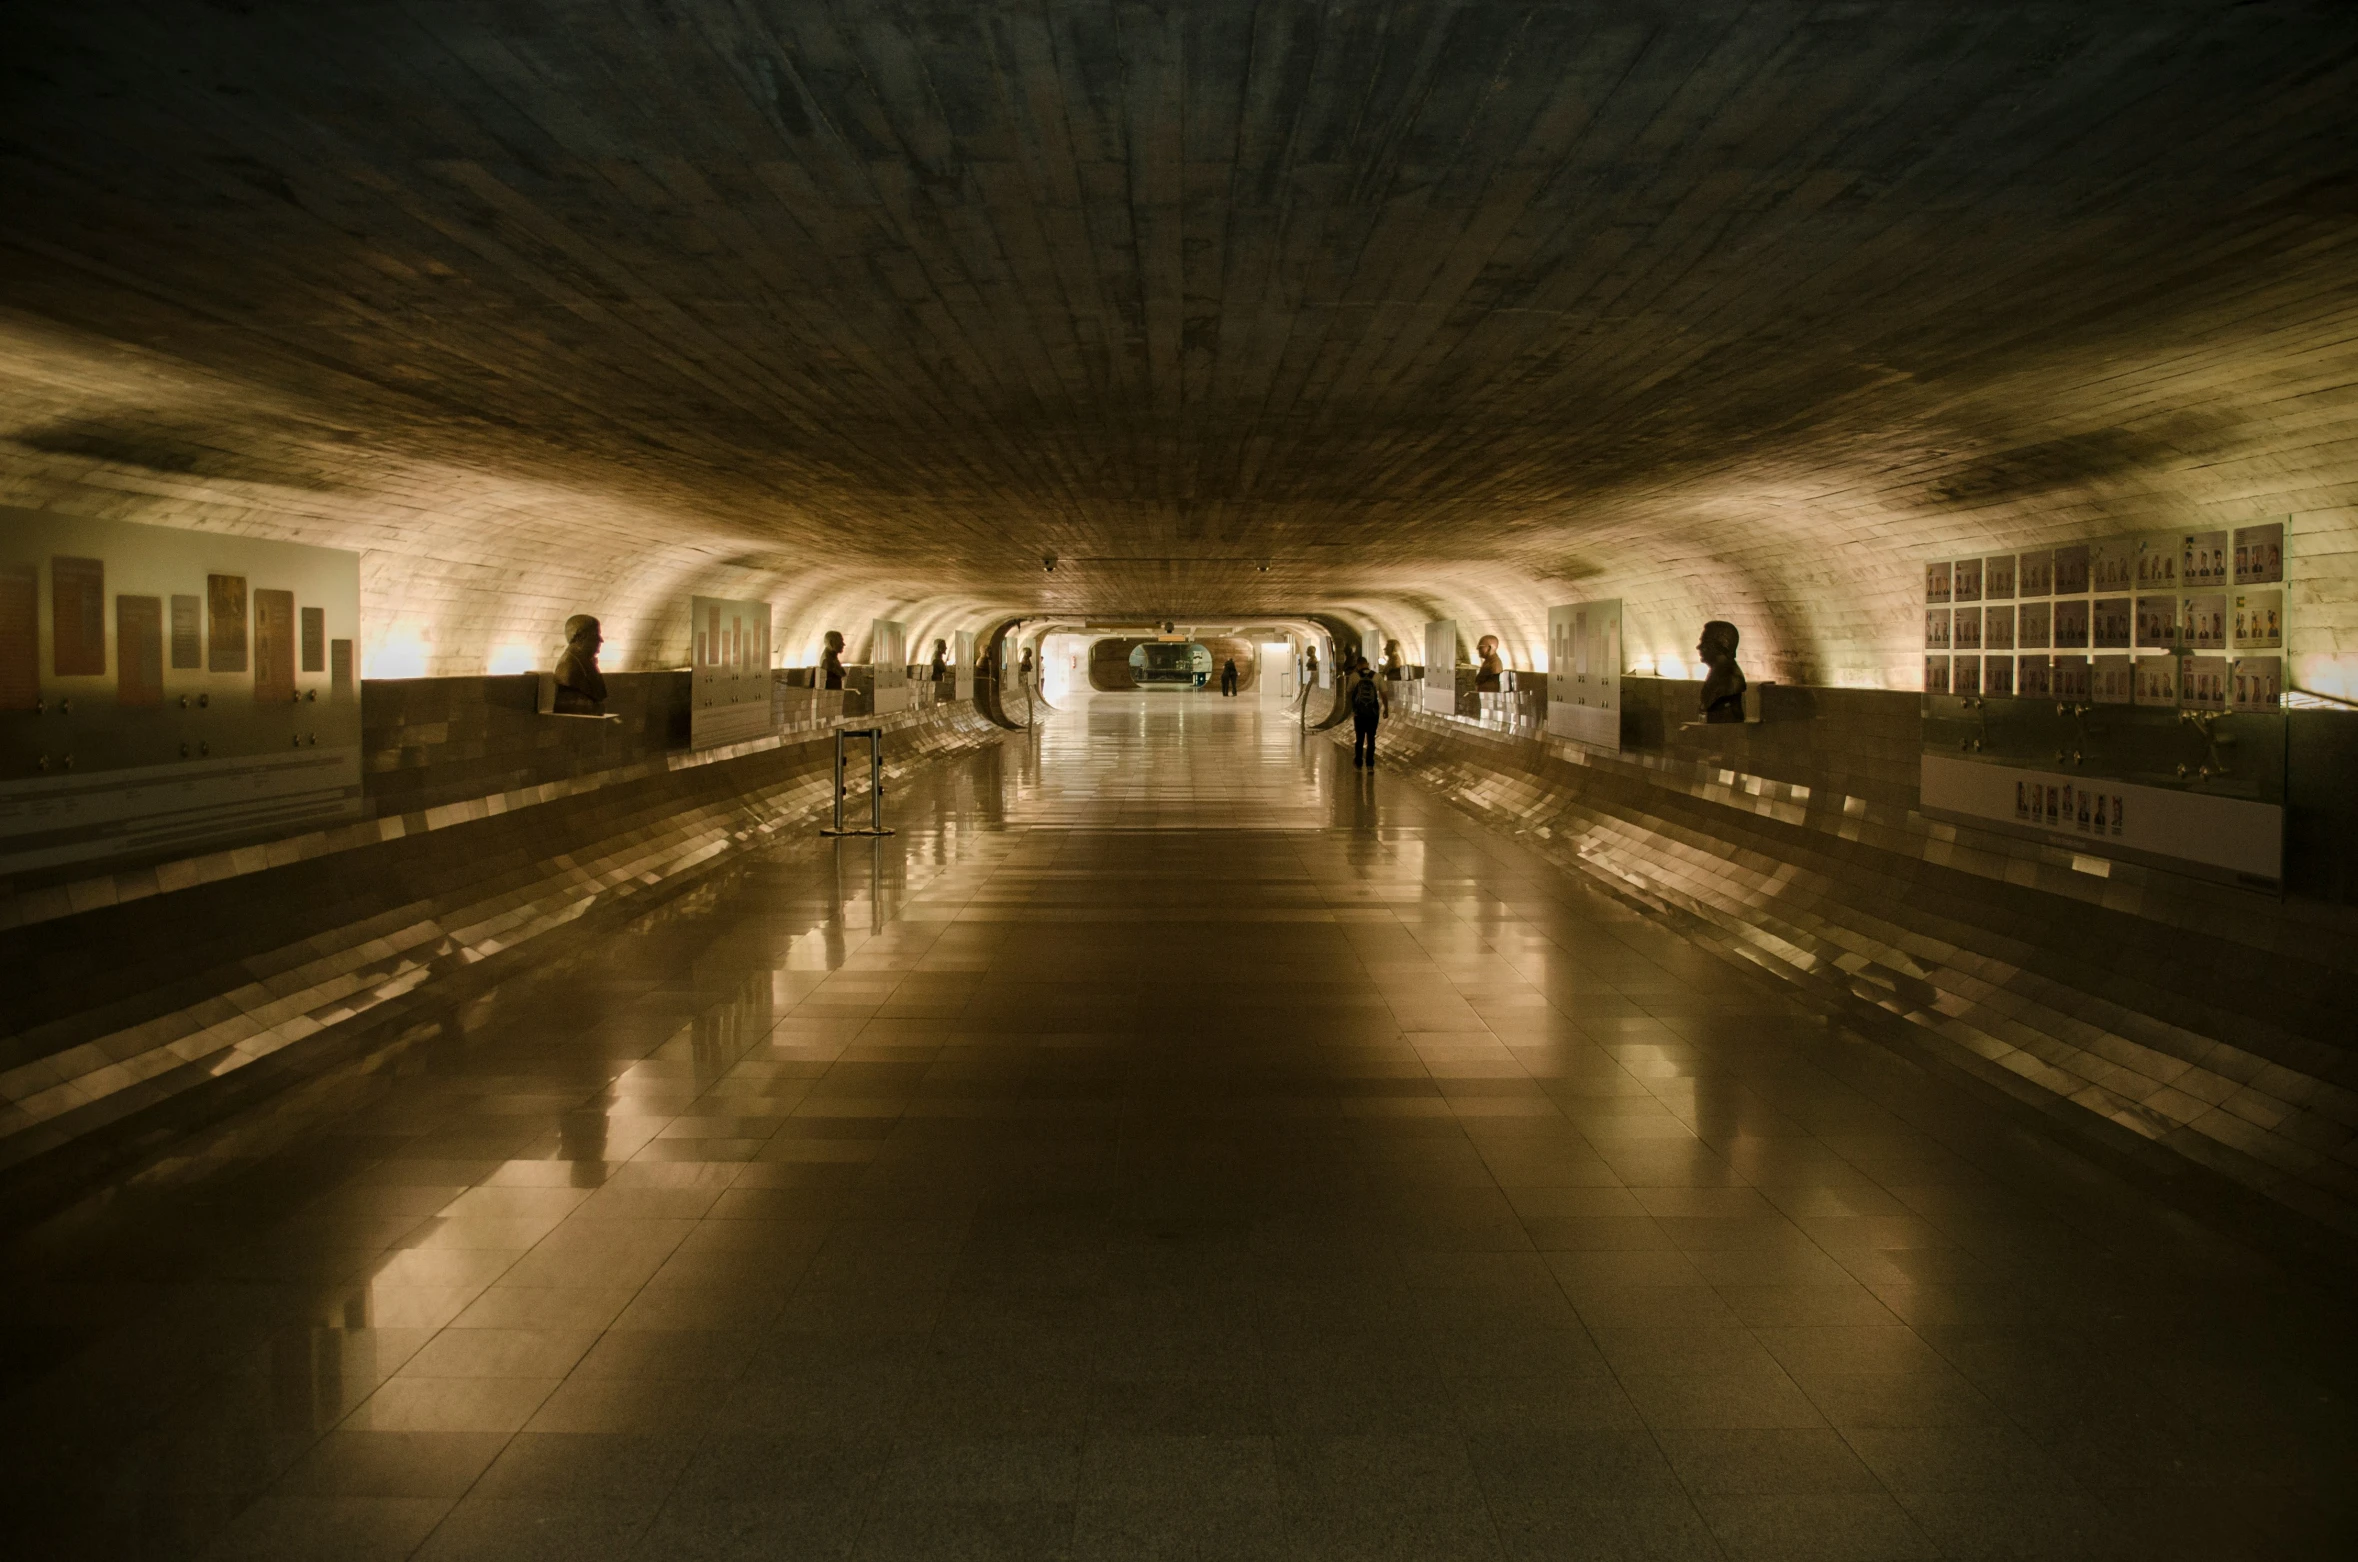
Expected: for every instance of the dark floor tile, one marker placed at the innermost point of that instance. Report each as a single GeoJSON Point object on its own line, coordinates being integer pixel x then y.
{"type": "Point", "coordinates": [1662, 1527]}
{"type": "Point", "coordinates": [1570, 1466]}
{"type": "Point", "coordinates": [751, 1530]}
{"type": "Point", "coordinates": [572, 1528]}
{"type": "Point", "coordinates": [967, 1532]}
{"type": "Point", "coordinates": [394, 1464]}
{"type": "Point", "coordinates": [291, 1528]}
{"type": "Point", "coordinates": [1717, 1462]}
{"type": "Point", "coordinates": [618, 1465]}
{"type": "Point", "coordinates": [1207, 1528]}
{"type": "Point", "coordinates": [2038, 1525]}
{"type": "Point", "coordinates": [1825, 1527]}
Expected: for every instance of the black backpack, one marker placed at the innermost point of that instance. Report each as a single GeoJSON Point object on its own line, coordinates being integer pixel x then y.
{"type": "Point", "coordinates": [1365, 701]}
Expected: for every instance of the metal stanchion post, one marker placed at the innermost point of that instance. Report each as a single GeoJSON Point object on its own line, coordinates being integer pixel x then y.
{"type": "Point", "coordinates": [875, 737]}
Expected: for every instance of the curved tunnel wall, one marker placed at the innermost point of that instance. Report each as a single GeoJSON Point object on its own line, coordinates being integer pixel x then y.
{"type": "Point", "coordinates": [528, 370]}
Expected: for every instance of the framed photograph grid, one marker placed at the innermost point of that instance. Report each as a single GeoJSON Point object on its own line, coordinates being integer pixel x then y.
{"type": "Point", "coordinates": [2092, 621]}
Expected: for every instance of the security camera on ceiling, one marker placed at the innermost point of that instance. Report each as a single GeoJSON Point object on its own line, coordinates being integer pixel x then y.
{"type": "Point", "coordinates": [1048, 562]}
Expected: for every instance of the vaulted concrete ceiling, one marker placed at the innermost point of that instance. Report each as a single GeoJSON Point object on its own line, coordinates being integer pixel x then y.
{"type": "Point", "coordinates": [1461, 307]}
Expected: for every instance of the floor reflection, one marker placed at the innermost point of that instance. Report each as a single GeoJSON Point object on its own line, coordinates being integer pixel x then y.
{"type": "Point", "coordinates": [1171, 1141]}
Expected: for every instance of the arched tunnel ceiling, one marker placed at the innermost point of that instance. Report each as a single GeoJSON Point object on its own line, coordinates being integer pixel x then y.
{"type": "Point", "coordinates": [1458, 307]}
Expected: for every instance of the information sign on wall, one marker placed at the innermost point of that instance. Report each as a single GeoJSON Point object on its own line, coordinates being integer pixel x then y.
{"type": "Point", "coordinates": [1584, 672]}
{"type": "Point", "coordinates": [888, 659]}
{"type": "Point", "coordinates": [119, 740]}
{"type": "Point", "coordinates": [729, 696]}
{"type": "Point", "coordinates": [1440, 683]}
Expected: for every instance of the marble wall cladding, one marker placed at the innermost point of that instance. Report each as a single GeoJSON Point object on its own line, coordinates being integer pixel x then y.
{"type": "Point", "coordinates": [2209, 1021]}
{"type": "Point", "coordinates": [125, 1015]}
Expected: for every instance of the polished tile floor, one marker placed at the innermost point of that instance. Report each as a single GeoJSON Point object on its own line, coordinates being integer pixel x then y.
{"type": "Point", "coordinates": [1171, 1144]}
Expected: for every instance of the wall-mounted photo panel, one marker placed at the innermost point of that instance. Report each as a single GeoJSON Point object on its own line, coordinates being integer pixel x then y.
{"type": "Point", "coordinates": [77, 617]}
{"type": "Point", "coordinates": [2034, 625]}
{"type": "Point", "coordinates": [204, 725]}
{"type": "Point", "coordinates": [2112, 680]}
{"type": "Point", "coordinates": [274, 647]}
{"type": "Point", "coordinates": [2034, 573]}
{"type": "Point", "coordinates": [1936, 584]}
{"type": "Point", "coordinates": [2154, 680]}
{"type": "Point", "coordinates": [729, 684]}
{"type": "Point", "coordinates": [1997, 578]}
{"type": "Point", "coordinates": [20, 637]}
{"type": "Point", "coordinates": [2157, 623]}
{"type": "Point", "coordinates": [1997, 676]}
{"type": "Point", "coordinates": [2072, 620]}
{"type": "Point", "coordinates": [2202, 621]}
{"type": "Point", "coordinates": [1965, 629]}
{"type": "Point", "coordinates": [225, 623]}
{"type": "Point", "coordinates": [1937, 622]}
{"type": "Point", "coordinates": [2202, 560]}
{"type": "Point", "coordinates": [1997, 628]}
{"type": "Point", "coordinates": [2157, 562]}
{"type": "Point", "coordinates": [888, 666]}
{"type": "Point", "coordinates": [2072, 570]}
{"type": "Point", "coordinates": [2112, 564]}
{"type": "Point", "coordinates": [2259, 554]}
{"type": "Point", "coordinates": [1965, 675]}
{"type": "Point", "coordinates": [2072, 678]}
{"type": "Point", "coordinates": [1439, 689]}
{"type": "Point", "coordinates": [2032, 678]}
{"type": "Point", "coordinates": [1966, 581]}
{"type": "Point", "coordinates": [188, 633]}
{"type": "Point", "coordinates": [1936, 675]}
{"type": "Point", "coordinates": [2202, 683]}
{"type": "Point", "coordinates": [139, 651]}
{"type": "Point", "coordinates": [2259, 618]}
{"type": "Point", "coordinates": [2112, 623]}
{"type": "Point", "coordinates": [2258, 683]}
{"type": "Point", "coordinates": [1584, 672]}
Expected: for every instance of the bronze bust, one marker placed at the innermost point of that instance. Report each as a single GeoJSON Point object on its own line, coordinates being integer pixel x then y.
{"type": "Point", "coordinates": [1722, 699]}
{"type": "Point", "coordinates": [581, 688]}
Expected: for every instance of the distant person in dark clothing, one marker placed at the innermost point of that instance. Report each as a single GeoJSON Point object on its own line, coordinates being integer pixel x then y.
{"type": "Point", "coordinates": [831, 660]}
{"type": "Point", "coordinates": [1228, 678]}
{"type": "Point", "coordinates": [1367, 708]}
{"type": "Point", "coordinates": [1722, 696]}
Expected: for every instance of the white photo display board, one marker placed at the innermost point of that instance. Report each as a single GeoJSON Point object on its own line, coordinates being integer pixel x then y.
{"type": "Point", "coordinates": [166, 691]}
{"type": "Point", "coordinates": [2096, 621]}
{"type": "Point", "coordinates": [1584, 672]}
{"type": "Point", "coordinates": [2191, 620]}
{"type": "Point", "coordinates": [728, 672]}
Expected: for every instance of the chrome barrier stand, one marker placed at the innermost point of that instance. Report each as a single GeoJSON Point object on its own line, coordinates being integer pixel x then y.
{"type": "Point", "coordinates": [875, 737]}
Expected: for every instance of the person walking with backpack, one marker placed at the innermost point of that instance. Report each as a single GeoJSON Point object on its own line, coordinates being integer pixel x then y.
{"type": "Point", "coordinates": [1367, 708]}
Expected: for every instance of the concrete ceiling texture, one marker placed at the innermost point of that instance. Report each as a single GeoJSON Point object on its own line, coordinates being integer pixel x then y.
{"type": "Point", "coordinates": [1242, 308]}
